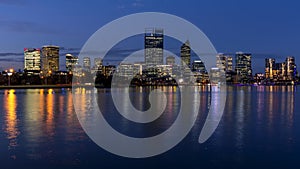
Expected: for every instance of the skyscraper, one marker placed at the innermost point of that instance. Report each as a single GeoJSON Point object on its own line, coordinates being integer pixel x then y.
{"type": "Point", "coordinates": [280, 71]}
{"type": "Point", "coordinates": [32, 60]}
{"type": "Point", "coordinates": [270, 68]}
{"type": "Point", "coordinates": [185, 54]}
{"type": "Point", "coordinates": [154, 44]}
{"type": "Point", "coordinates": [98, 63]}
{"type": "Point", "coordinates": [198, 66]}
{"type": "Point", "coordinates": [170, 60]}
{"type": "Point", "coordinates": [87, 63]}
{"type": "Point", "coordinates": [50, 58]}
{"type": "Point", "coordinates": [200, 72]}
{"type": "Point", "coordinates": [71, 61]}
{"type": "Point", "coordinates": [243, 66]}
{"type": "Point", "coordinates": [291, 68]}
{"type": "Point", "coordinates": [224, 62]}
{"type": "Point", "coordinates": [229, 65]}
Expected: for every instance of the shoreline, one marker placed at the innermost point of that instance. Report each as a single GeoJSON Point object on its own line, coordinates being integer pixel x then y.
{"type": "Point", "coordinates": [70, 86]}
{"type": "Point", "coordinates": [36, 86]}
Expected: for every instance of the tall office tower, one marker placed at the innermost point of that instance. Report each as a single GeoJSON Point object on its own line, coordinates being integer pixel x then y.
{"type": "Point", "coordinates": [229, 66]}
{"type": "Point", "coordinates": [221, 62]}
{"type": "Point", "coordinates": [71, 61]}
{"type": "Point", "coordinates": [98, 63]}
{"type": "Point", "coordinates": [170, 60]}
{"type": "Point", "coordinates": [280, 70]}
{"type": "Point", "coordinates": [50, 59]}
{"type": "Point", "coordinates": [32, 60]}
{"type": "Point", "coordinates": [87, 63]}
{"type": "Point", "coordinates": [291, 68]}
{"type": "Point", "coordinates": [224, 62]}
{"type": "Point", "coordinates": [198, 66]}
{"type": "Point", "coordinates": [154, 46]}
{"type": "Point", "coordinates": [243, 66]}
{"type": "Point", "coordinates": [270, 68]}
{"type": "Point", "coordinates": [185, 54]}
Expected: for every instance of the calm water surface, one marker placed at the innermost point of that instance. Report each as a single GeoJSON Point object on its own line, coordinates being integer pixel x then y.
{"type": "Point", "coordinates": [259, 128]}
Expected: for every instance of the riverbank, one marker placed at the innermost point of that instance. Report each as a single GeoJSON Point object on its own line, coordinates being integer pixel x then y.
{"type": "Point", "coordinates": [36, 86]}
{"type": "Point", "coordinates": [101, 86]}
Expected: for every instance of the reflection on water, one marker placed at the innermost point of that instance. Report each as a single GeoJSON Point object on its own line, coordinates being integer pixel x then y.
{"type": "Point", "coordinates": [10, 104]}
{"type": "Point", "coordinates": [260, 126]}
{"type": "Point", "coordinates": [50, 113]}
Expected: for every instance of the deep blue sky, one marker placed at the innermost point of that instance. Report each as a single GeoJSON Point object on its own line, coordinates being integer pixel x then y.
{"type": "Point", "coordinates": [262, 27]}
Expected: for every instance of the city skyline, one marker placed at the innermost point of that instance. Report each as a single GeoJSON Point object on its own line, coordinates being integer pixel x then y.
{"type": "Point", "coordinates": [256, 27]}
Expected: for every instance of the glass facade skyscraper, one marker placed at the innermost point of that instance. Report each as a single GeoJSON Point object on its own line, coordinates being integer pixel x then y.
{"type": "Point", "coordinates": [243, 66]}
{"type": "Point", "coordinates": [185, 54]}
{"type": "Point", "coordinates": [32, 59]}
{"type": "Point", "coordinates": [87, 63]}
{"type": "Point", "coordinates": [291, 68]}
{"type": "Point", "coordinates": [224, 62]}
{"type": "Point", "coordinates": [154, 46]}
{"type": "Point", "coordinates": [198, 66]}
{"type": "Point", "coordinates": [50, 58]}
{"type": "Point", "coordinates": [71, 61]}
{"type": "Point", "coordinates": [270, 68]}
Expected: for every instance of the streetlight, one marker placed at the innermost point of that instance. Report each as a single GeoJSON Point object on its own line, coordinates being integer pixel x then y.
{"type": "Point", "coordinates": [9, 74]}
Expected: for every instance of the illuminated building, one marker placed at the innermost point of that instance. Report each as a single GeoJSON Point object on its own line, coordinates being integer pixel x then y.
{"type": "Point", "coordinates": [138, 68]}
{"type": "Point", "coordinates": [50, 59]}
{"type": "Point", "coordinates": [290, 68]}
{"type": "Point", "coordinates": [98, 63]}
{"type": "Point", "coordinates": [109, 70]}
{"type": "Point", "coordinates": [259, 78]}
{"type": "Point", "coordinates": [224, 62]}
{"type": "Point", "coordinates": [199, 71]}
{"type": "Point", "coordinates": [198, 66]}
{"type": "Point", "coordinates": [87, 63]}
{"type": "Point", "coordinates": [215, 75]}
{"type": "Point", "coordinates": [71, 61]}
{"type": "Point", "coordinates": [243, 66]}
{"type": "Point", "coordinates": [170, 60]}
{"type": "Point", "coordinates": [125, 70]}
{"type": "Point", "coordinates": [32, 60]}
{"type": "Point", "coordinates": [280, 72]}
{"type": "Point", "coordinates": [165, 70]}
{"type": "Point", "coordinates": [185, 54]}
{"type": "Point", "coordinates": [154, 44]}
{"type": "Point", "coordinates": [270, 68]}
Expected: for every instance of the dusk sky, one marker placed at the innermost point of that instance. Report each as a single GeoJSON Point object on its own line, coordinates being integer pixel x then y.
{"type": "Point", "coordinates": [264, 28]}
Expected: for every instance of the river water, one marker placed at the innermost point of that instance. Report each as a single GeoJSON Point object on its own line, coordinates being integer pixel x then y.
{"type": "Point", "coordinates": [260, 127]}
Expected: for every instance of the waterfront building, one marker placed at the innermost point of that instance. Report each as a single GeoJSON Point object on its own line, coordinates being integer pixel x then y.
{"type": "Point", "coordinates": [185, 54]}
{"type": "Point", "coordinates": [224, 62]}
{"type": "Point", "coordinates": [98, 63]}
{"type": "Point", "coordinates": [198, 66]}
{"type": "Point", "coordinates": [50, 59]}
{"type": "Point", "coordinates": [291, 68]}
{"type": "Point", "coordinates": [87, 63]}
{"type": "Point", "coordinates": [280, 72]}
{"type": "Point", "coordinates": [32, 60]}
{"type": "Point", "coordinates": [154, 45]}
{"type": "Point", "coordinates": [270, 68]}
{"type": "Point", "coordinates": [199, 71]}
{"type": "Point", "coordinates": [170, 60]}
{"type": "Point", "coordinates": [243, 67]}
{"type": "Point", "coordinates": [125, 70]}
{"type": "Point", "coordinates": [71, 62]}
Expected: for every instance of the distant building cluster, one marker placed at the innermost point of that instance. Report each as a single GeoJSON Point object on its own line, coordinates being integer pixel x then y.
{"type": "Point", "coordinates": [279, 73]}
{"type": "Point", "coordinates": [41, 66]}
